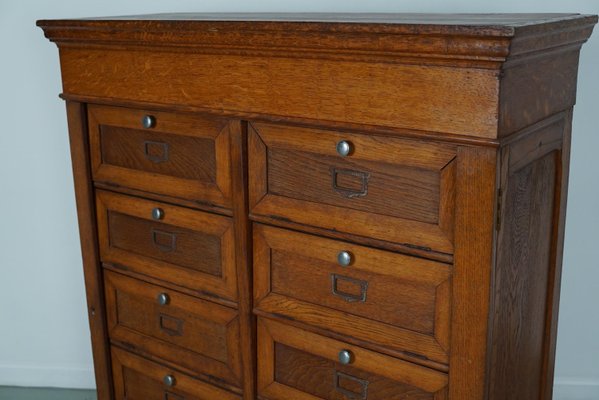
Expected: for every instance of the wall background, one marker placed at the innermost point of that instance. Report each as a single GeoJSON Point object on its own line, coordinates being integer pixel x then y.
{"type": "Point", "coordinates": [44, 335]}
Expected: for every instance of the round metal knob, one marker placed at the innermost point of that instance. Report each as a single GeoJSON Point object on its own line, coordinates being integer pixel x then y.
{"type": "Point", "coordinates": [346, 357]}
{"type": "Point", "coordinates": [157, 213]}
{"type": "Point", "coordinates": [344, 258]}
{"type": "Point", "coordinates": [163, 299]}
{"type": "Point", "coordinates": [169, 380]}
{"type": "Point", "coordinates": [344, 148]}
{"type": "Point", "coordinates": [148, 121]}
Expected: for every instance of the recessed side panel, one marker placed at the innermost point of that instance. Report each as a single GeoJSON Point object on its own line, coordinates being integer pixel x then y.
{"type": "Point", "coordinates": [525, 270]}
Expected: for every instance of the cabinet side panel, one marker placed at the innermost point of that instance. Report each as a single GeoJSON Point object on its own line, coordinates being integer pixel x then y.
{"type": "Point", "coordinates": [535, 88]}
{"type": "Point", "coordinates": [557, 252]}
{"type": "Point", "coordinates": [89, 248]}
{"type": "Point", "coordinates": [525, 268]}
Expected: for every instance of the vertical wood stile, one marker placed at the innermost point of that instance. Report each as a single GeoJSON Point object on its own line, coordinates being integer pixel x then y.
{"type": "Point", "coordinates": [474, 253]}
{"type": "Point", "coordinates": [243, 256]}
{"type": "Point", "coordinates": [92, 270]}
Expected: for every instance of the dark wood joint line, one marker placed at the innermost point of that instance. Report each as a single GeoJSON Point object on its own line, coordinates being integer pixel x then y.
{"type": "Point", "coordinates": [243, 256]}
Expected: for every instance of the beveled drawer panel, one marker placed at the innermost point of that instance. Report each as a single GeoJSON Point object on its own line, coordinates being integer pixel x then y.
{"type": "Point", "coordinates": [136, 378]}
{"type": "Point", "coordinates": [297, 364]}
{"type": "Point", "coordinates": [381, 297]}
{"type": "Point", "coordinates": [391, 189]}
{"type": "Point", "coordinates": [174, 154]}
{"type": "Point", "coordinates": [189, 248]}
{"type": "Point", "coordinates": [198, 335]}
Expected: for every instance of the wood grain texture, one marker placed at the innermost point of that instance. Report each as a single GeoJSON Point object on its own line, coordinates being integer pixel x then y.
{"type": "Point", "coordinates": [293, 278]}
{"type": "Point", "coordinates": [481, 24]}
{"type": "Point", "coordinates": [387, 339]}
{"type": "Point", "coordinates": [522, 275]}
{"type": "Point", "coordinates": [322, 354]}
{"type": "Point", "coordinates": [435, 99]}
{"type": "Point", "coordinates": [283, 119]}
{"type": "Point", "coordinates": [139, 379]}
{"type": "Point", "coordinates": [481, 40]}
{"type": "Point", "coordinates": [460, 130]}
{"type": "Point", "coordinates": [532, 90]}
{"type": "Point", "coordinates": [123, 269]}
{"type": "Point", "coordinates": [476, 191]}
{"type": "Point", "coordinates": [197, 205]}
{"type": "Point", "coordinates": [384, 298]}
{"type": "Point", "coordinates": [186, 247]}
{"type": "Point", "coordinates": [243, 257]}
{"type": "Point", "coordinates": [323, 379]}
{"type": "Point", "coordinates": [370, 187]}
{"type": "Point", "coordinates": [158, 153]}
{"type": "Point", "coordinates": [168, 243]}
{"type": "Point", "coordinates": [92, 271]}
{"type": "Point", "coordinates": [557, 253]}
{"type": "Point", "coordinates": [526, 264]}
{"type": "Point", "coordinates": [404, 248]}
{"type": "Point", "coordinates": [182, 155]}
{"type": "Point", "coordinates": [194, 334]}
{"type": "Point", "coordinates": [386, 188]}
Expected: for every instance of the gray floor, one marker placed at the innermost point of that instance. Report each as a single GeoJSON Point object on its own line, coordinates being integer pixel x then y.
{"type": "Point", "coordinates": [15, 393]}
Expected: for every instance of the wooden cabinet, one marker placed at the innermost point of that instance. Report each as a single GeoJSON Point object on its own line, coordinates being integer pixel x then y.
{"type": "Point", "coordinates": [334, 207]}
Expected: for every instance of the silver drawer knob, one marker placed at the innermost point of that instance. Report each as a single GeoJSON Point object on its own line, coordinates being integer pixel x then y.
{"type": "Point", "coordinates": [344, 258]}
{"type": "Point", "coordinates": [169, 380]}
{"type": "Point", "coordinates": [148, 121]}
{"type": "Point", "coordinates": [157, 213]}
{"type": "Point", "coordinates": [344, 148]}
{"type": "Point", "coordinates": [346, 357]}
{"type": "Point", "coordinates": [163, 299]}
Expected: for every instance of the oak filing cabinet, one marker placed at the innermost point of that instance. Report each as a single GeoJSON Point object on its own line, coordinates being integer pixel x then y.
{"type": "Point", "coordinates": [321, 206]}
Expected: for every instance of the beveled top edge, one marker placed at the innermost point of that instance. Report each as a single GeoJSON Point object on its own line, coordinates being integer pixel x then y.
{"type": "Point", "coordinates": [361, 18]}
{"type": "Point", "coordinates": [503, 25]}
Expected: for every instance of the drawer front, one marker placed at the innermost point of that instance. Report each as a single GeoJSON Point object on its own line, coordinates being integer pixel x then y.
{"type": "Point", "coordinates": [373, 295]}
{"type": "Point", "coordinates": [297, 364]}
{"type": "Point", "coordinates": [390, 189]}
{"type": "Point", "coordinates": [180, 155]}
{"type": "Point", "coordinates": [186, 247]}
{"type": "Point", "coordinates": [136, 378]}
{"type": "Point", "coordinates": [198, 335]}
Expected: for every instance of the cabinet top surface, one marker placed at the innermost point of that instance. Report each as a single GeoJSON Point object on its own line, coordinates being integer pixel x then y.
{"type": "Point", "coordinates": [469, 24]}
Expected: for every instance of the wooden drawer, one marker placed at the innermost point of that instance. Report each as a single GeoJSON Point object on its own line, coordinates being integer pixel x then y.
{"type": "Point", "coordinates": [180, 155]}
{"type": "Point", "coordinates": [390, 189]}
{"type": "Point", "coordinates": [136, 378]}
{"type": "Point", "coordinates": [397, 301]}
{"type": "Point", "coordinates": [297, 364]}
{"type": "Point", "coordinates": [197, 335]}
{"type": "Point", "coordinates": [189, 248]}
